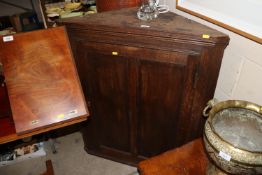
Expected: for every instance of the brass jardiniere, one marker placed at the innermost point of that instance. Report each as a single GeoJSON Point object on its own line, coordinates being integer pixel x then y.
{"type": "Point", "coordinates": [232, 153]}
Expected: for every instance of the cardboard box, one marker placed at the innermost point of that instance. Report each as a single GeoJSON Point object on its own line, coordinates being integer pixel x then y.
{"type": "Point", "coordinates": [13, 158]}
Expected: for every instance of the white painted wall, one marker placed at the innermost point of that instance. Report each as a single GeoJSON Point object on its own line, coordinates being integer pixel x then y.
{"type": "Point", "coordinates": [231, 12]}
{"type": "Point", "coordinates": [241, 70]}
{"type": "Point", "coordinates": [7, 10]}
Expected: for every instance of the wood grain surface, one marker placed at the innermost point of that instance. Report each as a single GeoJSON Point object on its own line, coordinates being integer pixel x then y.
{"type": "Point", "coordinates": [189, 159]}
{"type": "Point", "coordinates": [166, 26]}
{"type": "Point", "coordinates": [42, 81]}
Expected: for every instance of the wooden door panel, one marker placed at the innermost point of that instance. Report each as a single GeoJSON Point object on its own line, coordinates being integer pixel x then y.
{"type": "Point", "coordinates": [81, 64]}
{"type": "Point", "coordinates": [108, 80]}
{"type": "Point", "coordinates": [161, 88]}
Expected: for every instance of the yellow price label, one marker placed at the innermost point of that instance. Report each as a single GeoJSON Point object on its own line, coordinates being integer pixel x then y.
{"type": "Point", "coordinates": [34, 122]}
{"type": "Point", "coordinates": [114, 53]}
{"type": "Point", "coordinates": [60, 116]}
{"type": "Point", "coordinates": [205, 36]}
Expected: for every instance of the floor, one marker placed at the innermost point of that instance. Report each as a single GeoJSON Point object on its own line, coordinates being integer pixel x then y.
{"type": "Point", "coordinates": [70, 159]}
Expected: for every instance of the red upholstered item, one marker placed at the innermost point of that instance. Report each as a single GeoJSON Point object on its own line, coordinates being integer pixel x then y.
{"type": "Point", "coordinates": [189, 159]}
{"type": "Point", "coordinates": [107, 5]}
{"type": "Point", "coordinates": [5, 109]}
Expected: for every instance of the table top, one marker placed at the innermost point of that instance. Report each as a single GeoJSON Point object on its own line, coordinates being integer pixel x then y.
{"type": "Point", "coordinates": [42, 82]}
{"type": "Point", "coordinates": [169, 25]}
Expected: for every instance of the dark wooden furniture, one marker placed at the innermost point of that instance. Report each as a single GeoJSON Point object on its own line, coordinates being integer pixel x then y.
{"type": "Point", "coordinates": [5, 109]}
{"type": "Point", "coordinates": [49, 168]}
{"type": "Point", "coordinates": [42, 84]}
{"type": "Point", "coordinates": [147, 82]}
{"type": "Point", "coordinates": [189, 159]}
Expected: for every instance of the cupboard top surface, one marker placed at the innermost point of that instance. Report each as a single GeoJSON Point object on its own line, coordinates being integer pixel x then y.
{"type": "Point", "coordinates": [168, 25]}
{"type": "Point", "coordinates": [42, 81]}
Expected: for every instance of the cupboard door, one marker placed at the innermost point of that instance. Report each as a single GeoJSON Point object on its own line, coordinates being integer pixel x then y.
{"type": "Point", "coordinates": [107, 77]}
{"type": "Point", "coordinates": [165, 93]}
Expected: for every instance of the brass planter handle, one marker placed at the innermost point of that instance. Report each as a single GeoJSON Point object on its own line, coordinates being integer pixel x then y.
{"type": "Point", "coordinates": [210, 104]}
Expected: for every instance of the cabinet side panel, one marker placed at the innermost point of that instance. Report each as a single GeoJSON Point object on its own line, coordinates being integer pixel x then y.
{"type": "Point", "coordinates": [210, 63]}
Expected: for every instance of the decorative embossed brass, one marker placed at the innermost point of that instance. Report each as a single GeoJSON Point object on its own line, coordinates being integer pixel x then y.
{"type": "Point", "coordinates": [233, 137]}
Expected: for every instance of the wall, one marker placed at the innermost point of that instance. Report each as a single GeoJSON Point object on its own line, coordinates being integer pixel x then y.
{"type": "Point", "coordinates": [231, 12]}
{"type": "Point", "coordinates": [7, 10]}
{"type": "Point", "coordinates": [241, 69]}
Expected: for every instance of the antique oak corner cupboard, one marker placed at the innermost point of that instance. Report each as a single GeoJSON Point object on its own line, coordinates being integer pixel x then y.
{"type": "Point", "coordinates": [146, 82]}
